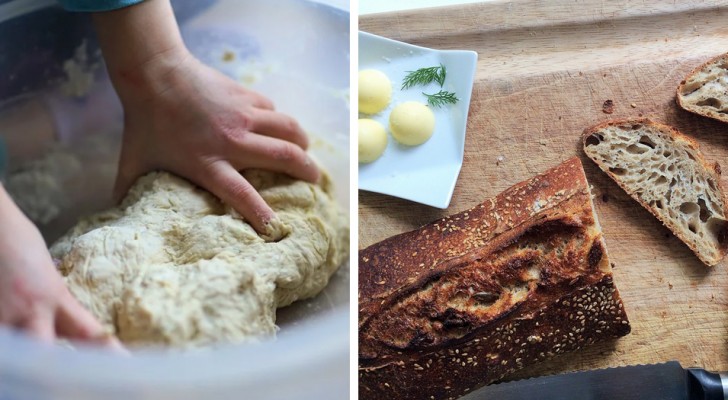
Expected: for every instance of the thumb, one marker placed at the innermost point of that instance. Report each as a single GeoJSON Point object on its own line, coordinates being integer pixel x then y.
{"type": "Point", "coordinates": [129, 171]}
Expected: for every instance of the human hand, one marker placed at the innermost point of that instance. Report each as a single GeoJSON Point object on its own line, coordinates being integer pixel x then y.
{"type": "Point", "coordinates": [201, 125]}
{"type": "Point", "coordinates": [33, 297]}
{"type": "Point", "coordinates": [184, 117]}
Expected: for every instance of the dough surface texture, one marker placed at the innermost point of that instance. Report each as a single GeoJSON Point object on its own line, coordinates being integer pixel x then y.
{"type": "Point", "coordinates": [174, 266]}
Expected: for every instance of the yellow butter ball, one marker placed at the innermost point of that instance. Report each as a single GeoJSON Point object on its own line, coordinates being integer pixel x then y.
{"type": "Point", "coordinates": [372, 140]}
{"type": "Point", "coordinates": [412, 123]}
{"type": "Point", "coordinates": [375, 91]}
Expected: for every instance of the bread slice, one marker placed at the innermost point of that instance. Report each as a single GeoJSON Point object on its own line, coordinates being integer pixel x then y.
{"type": "Point", "coordinates": [705, 90]}
{"type": "Point", "coordinates": [468, 299]}
{"type": "Point", "coordinates": [665, 171]}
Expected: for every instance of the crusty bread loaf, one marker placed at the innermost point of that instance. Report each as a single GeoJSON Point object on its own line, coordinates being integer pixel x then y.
{"type": "Point", "coordinates": [468, 299]}
{"type": "Point", "coordinates": [665, 172]}
{"type": "Point", "coordinates": [705, 90]}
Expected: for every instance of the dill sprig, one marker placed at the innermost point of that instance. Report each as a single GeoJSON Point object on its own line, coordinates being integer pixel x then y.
{"type": "Point", "coordinates": [441, 98]}
{"type": "Point", "coordinates": [424, 76]}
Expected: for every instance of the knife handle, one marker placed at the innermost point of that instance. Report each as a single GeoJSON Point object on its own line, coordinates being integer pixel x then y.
{"type": "Point", "coordinates": [704, 385]}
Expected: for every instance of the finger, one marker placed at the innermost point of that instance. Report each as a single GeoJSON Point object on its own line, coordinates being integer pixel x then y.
{"type": "Point", "coordinates": [109, 341]}
{"type": "Point", "coordinates": [227, 184]}
{"type": "Point", "coordinates": [277, 155]}
{"type": "Point", "coordinates": [281, 126]}
{"type": "Point", "coordinates": [40, 325]}
{"type": "Point", "coordinates": [259, 100]}
{"type": "Point", "coordinates": [73, 321]}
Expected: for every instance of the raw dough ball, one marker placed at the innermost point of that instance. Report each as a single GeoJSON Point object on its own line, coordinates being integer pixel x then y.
{"type": "Point", "coordinates": [412, 123]}
{"type": "Point", "coordinates": [372, 140]}
{"type": "Point", "coordinates": [174, 266]}
{"type": "Point", "coordinates": [375, 91]}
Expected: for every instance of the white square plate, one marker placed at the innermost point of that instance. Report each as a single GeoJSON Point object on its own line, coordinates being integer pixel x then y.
{"type": "Point", "coordinates": [426, 173]}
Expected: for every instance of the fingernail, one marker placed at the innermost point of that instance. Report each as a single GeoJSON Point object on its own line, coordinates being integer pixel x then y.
{"type": "Point", "coordinates": [309, 162]}
{"type": "Point", "coordinates": [275, 230]}
{"type": "Point", "coordinates": [266, 217]}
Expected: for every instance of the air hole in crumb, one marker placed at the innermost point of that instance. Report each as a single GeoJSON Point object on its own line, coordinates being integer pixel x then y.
{"type": "Point", "coordinates": [690, 87]}
{"type": "Point", "coordinates": [704, 211]}
{"type": "Point", "coordinates": [692, 228]}
{"type": "Point", "coordinates": [711, 183]}
{"type": "Point", "coordinates": [667, 154]}
{"type": "Point", "coordinates": [689, 208]}
{"type": "Point", "coordinates": [690, 156]}
{"type": "Point", "coordinates": [709, 102]}
{"type": "Point", "coordinates": [593, 140]}
{"type": "Point", "coordinates": [719, 229]}
{"type": "Point", "coordinates": [647, 142]}
{"type": "Point", "coordinates": [617, 171]}
{"type": "Point", "coordinates": [637, 149]}
{"type": "Point", "coordinates": [636, 126]}
{"type": "Point", "coordinates": [661, 180]}
{"type": "Point", "coordinates": [668, 195]}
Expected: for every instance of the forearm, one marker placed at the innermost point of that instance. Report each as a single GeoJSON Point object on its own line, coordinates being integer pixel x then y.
{"type": "Point", "coordinates": [140, 43]}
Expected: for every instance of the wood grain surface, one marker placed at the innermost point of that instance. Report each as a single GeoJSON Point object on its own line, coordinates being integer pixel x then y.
{"type": "Point", "coordinates": [544, 71]}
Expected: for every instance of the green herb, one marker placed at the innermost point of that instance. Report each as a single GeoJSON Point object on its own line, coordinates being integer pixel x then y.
{"type": "Point", "coordinates": [423, 76]}
{"type": "Point", "coordinates": [441, 98]}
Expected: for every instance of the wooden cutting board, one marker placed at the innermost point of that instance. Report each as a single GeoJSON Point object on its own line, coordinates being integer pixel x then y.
{"type": "Point", "coordinates": [544, 71]}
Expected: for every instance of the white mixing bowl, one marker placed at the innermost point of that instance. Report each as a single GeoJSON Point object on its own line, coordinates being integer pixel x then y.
{"type": "Point", "coordinates": [297, 53]}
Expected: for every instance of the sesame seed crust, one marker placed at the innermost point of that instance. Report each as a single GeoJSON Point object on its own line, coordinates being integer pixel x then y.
{"type": "Point", "coordinates": [468, 299]}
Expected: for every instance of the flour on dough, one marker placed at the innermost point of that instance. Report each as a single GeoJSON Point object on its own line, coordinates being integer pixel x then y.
{"type": "Point", "coordinates": [174, 266]}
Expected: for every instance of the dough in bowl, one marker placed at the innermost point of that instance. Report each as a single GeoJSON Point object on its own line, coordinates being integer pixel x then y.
{"type": "Point", "coordinates": [174, 266]}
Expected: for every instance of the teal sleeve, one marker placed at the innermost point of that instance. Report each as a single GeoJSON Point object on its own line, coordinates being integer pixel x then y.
{"type": "Point", "coordinates": [96, 5]}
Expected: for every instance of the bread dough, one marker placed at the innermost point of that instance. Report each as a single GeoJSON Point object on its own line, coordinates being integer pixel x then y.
{"type": "Point", "coordinates": [174, 266]}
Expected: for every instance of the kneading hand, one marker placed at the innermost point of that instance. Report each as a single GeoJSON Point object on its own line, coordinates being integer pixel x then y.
{"type": "Point", "coordinates": [33, 297]}
{"type": "Point", "coordinates": [186, 118]}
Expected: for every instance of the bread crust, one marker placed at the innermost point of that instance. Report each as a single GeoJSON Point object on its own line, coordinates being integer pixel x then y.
{"type": "Point", "coordinates": [695, 109]}
{"type": "Point", "coordinates": [468, 299]}
{"type": "Point", "coordinates": [713, 168]}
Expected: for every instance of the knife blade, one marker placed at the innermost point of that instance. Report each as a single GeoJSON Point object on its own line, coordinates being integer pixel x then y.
{"type": "Point", "coordinates": [667, 381]}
